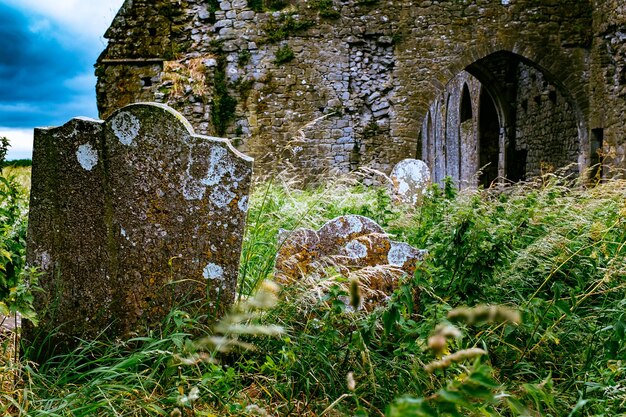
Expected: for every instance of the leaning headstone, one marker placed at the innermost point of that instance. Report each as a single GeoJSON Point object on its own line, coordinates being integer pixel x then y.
{"type": "Point", "coordinates": [353, 246]}
{"type": "Point", "coordinates": [129, 218]}
{"type": "Point", "coordinates": [409, 179]}
{"type": "Point", "coordinates": [348, 242]}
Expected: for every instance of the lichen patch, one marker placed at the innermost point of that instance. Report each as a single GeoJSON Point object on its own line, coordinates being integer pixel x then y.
{"type": "Point", "coordinates": [213, 271]}
{"type": "Point", "coordinates": [126, 127]}
{"type": "Point", "coordinates": [243, 204]}
{"type": "Point", "coordinates": [87, 156]}
{"type": "Point", "coordinates": [356, 250]}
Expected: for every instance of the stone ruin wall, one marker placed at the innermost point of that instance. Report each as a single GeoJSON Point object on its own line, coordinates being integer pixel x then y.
{"type": "Point", "coordinates": [608, 78]}
{"type": "Point", "coordinates": [546, 128]}
{"type": "Point", "coordinates": [363, 75]}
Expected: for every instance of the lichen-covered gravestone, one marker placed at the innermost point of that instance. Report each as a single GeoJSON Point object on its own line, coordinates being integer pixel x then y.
{"type": "Point", "coordinates": [348, 243]}
{"type": "Point", "coordinates": [130, 217]}
{"type": "Point", "coordinates": [409, 179]}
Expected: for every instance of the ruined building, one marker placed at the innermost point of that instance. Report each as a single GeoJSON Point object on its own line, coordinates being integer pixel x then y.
{"type": "Point", "coordinates": [518, 87]}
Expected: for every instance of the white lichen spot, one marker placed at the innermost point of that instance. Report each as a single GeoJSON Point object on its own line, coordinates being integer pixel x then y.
{"type": "Point", "coordinates": [193, 191]}
{"type": "Point", "coordinates": [218, 166]}
{"type": "Point", "coordinates": [410, 178]}
{"type": "Point", "coordinates": [87, 156]}
{"type": "Point", "coordinates": [243, 203]}
{"type": "Point", "coordinates": [126, 127]}
{"type": "Point", "coordinates": [356, 250]}
{"type": "Point", "coordinates": [44, 260]}
{"type": "Point", "coordinates": [354, 224]}
{"type": "Point", "coordinates": [222, 196]}
{"type": "Point", "coordinates": [399, 254]}
{"type": "Point", "coordinates": [213, 271]}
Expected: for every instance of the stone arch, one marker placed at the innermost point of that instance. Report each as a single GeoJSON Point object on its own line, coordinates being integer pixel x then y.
{"type": "Point", "coordinates": [492, 67]}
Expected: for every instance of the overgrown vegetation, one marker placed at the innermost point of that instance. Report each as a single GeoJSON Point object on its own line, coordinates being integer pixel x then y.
{"type": "Point", "coordinates": [223, 104]}
{"type": "Point", "coordinates": [326, 9]}
{"type": "Point", "coordinates": [542, 267]}
{"type": "Point", "coordinates": [283, 54]}
{"type": "Point", "coordinates": [280, 28]}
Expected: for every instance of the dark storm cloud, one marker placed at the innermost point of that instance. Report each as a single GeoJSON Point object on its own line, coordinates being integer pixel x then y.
{"type": "Point", "coordinates": [41, 79]}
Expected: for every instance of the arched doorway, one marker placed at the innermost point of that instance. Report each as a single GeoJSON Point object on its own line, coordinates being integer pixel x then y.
{"type": "Point", "coordinates": [488, 139]}
{"type": "Point", "coordinates": [503, 114]}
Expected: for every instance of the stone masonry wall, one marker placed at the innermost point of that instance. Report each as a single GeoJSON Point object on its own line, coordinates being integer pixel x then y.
{"type": "Point", "coordinates": [331, 86]}
{"type": "Point", "coordinates": [608, 80]}
{"type": "Point", "coordinates": [546, 127]}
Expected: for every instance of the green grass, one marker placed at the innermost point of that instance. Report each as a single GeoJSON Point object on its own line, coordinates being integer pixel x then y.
{"type": "Point", "coordinates": [555, 254]}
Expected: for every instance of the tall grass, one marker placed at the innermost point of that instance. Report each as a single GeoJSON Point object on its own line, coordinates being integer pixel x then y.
{"type": "Point", "coordinates": [556, 254]}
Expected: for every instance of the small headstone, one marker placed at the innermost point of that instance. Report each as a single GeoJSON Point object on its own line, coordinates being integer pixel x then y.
{"type": "Point", "coordinates": [349, 243]}
{"type": "Point", "coordinates": [129, 218]}
{"type": "Point", "coordinates": [409, 179]}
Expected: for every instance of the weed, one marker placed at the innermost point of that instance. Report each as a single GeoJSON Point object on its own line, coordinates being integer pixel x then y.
{"type": "Point", "coordinates": [284, 54]}
{"type": "Point", "coordinates": [244, 57]}
{"type": "Point", "coordinates": [280, 28]}
{"type": "Point", "coordinates": [223, 104]}
{"type": "Point", "coordinates": [327, 9]}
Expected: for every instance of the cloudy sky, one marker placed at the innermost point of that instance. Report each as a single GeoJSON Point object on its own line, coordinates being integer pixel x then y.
{"type": "Point", "coordinates": [47, 52]}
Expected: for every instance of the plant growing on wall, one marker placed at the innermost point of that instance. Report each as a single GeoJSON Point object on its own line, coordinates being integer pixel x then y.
{"type": "Point", "coordinates": [284, 54]}
{"type": "Point", "coordinates": [223, 104]}
{"type": "Point", "coordinates": [327, 10]}
{"type": "Point", "coordinates": [280, 28]}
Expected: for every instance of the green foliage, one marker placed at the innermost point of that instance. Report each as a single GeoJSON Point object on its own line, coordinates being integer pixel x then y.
{"type": "Point", "coordinates": [326, 9]}
{"type": "Point", "coordinates": [223, 104]}
{"type": "Point", "coordinates": [280, 28]}
{"type": "Point", "coordinates": [555, 254]}
{"type": "Point", "coordinates": [371, 129]}
{"type": "Point", "coordinates": [283, 54]}
{"type": "Point", "coordinates": [368, 2]}
{"type": "Point", "coordinates": [244, 57]}
{"type": "Point", "coordinates": [213, 6]}
{"type": "Point", "coordinates": [16, 282]}
{"type": "Point", "coordinates": [19, 163]}
{"type": "Point", "coordinates": [275, 5]}
{"type": "Point", "coordinates": [265, 5]}
{"type": "Point", "coordinates": [244, 87]}
{"type": "Point", "coordinates": [256, 5]}
{"type": "Point", "coordinates": [4, 148]}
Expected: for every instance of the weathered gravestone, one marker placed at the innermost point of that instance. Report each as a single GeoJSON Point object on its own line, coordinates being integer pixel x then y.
{"type": "Point", "coordinates": [409, 179]}
{"type": "Point", "coordinates": [350, 244]}
{"type": "Point", "coordinates": [130, 217]}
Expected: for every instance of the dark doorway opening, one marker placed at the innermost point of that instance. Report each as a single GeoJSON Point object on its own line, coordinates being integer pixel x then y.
{"type": "Point", "coordinates": [466, 105]}
{"type": "Point", "coordinates": [488, 139]}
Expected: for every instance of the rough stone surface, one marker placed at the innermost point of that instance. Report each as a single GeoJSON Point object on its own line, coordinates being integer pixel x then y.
{"type": "Point", "coordinates": [409, 179]}
{"type": "Point", "coordinates": [130, 217]}
{"type": "Point", "coordinates": [362, 87]}
{"type": "Point", "coordinates": [348, 243]}
{"type": "Point", "coordinates": [297, 254]}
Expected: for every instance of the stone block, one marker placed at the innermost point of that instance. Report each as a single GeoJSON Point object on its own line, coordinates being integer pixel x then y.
{"type": "Point", "coordinates": [129, 218]}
